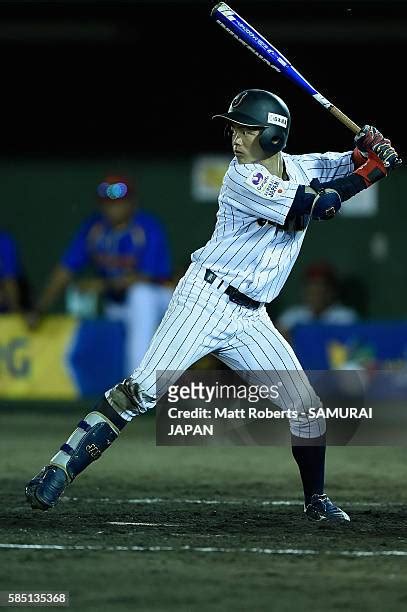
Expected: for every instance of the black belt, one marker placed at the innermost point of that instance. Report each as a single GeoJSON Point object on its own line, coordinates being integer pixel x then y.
{"type": "Point", "coordinates": [234, 294]}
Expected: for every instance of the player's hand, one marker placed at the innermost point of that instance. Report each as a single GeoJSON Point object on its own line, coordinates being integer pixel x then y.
{"type": "Point", "coordinates": [374, 168]}
{"type": "Point", "coordinates": [367, 138]}
{"type": "Point", "coordinates": [387, 154]}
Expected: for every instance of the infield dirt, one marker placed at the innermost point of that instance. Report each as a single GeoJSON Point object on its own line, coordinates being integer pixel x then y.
{"type": "Point", "coordinates": [213, 531]}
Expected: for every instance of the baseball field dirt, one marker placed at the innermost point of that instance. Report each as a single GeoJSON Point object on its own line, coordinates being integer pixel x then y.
{"type": "Point", "coordinates": [159, 528]}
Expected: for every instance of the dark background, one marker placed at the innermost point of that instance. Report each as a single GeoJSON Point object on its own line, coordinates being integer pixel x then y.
{"type": "Point", "coordinates": [143, 78]}
{"type": "Point", "coordinates": [91, 88]}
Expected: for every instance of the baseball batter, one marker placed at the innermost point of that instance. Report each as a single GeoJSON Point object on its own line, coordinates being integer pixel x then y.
{"type": "Point", "coordinates": [267, 202]}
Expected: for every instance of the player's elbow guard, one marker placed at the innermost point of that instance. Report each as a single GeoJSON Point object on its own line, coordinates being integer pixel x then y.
{"type": "Point", "coordinates": [326, 203]}
{"type": "Point", "coordinates": [321, 202]}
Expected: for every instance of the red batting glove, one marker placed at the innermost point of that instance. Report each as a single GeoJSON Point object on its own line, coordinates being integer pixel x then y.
{"type": "Point", "coordinates": [368, 137]}
{"type": "Point", "coordinates": [372, 170]}
{"type": "Point", "coordinates": [358, 157]}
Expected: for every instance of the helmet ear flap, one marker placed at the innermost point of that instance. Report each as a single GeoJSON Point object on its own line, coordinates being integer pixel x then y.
{"type": "Point", "coordinates": [273, 139]}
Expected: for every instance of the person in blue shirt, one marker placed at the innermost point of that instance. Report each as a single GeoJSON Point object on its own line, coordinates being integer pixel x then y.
{"type": "Point", "coordinates": [128, 251]}
{"type": "Point", "coordinates": [320, 304]}
{"type": "Point", "coordinates": [10, 270]}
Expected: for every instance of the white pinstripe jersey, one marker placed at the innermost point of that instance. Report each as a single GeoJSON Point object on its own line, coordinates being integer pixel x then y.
{"type": "Point", "coordinates": [244, 250]}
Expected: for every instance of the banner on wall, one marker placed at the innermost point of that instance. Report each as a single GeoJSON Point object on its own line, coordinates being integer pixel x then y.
{"type": "Point", "coordinates": [68, 358]}
{"type": "Point", "coordinates": [207, 176]}
{"type": "Point", "coordinates": [64, 359]}
{"type": "Point", "coordinates": [367, 346]}
{"type": "Point", "coordinates": [377, 352]}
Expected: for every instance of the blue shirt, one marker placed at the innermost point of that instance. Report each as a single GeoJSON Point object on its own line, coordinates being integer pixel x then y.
{"type": "Point", "coordinates": [139, 247]}
{"type": "Point", "coordinates": [9, 261]}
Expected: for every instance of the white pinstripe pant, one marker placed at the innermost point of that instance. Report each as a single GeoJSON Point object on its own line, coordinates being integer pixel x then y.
{"type": "Point", "coordinates": [200, 320]}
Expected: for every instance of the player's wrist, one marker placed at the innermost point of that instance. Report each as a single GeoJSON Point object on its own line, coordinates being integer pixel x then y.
{"type": "Point", "coordinates": [359, 157]}
{"type": "Point", "coordinates": [372, 170]}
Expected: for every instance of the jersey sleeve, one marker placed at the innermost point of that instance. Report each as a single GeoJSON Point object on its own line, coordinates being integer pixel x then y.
{"type": "Point", "coordinates": [254, 190]}
{"type": "Point", "coordinates": [326, 166]}
{"type": "Point", "coordinates": [155, 259]}
{"type": "Point", "coordinates": [9, 260]}
{"type": "Point", "coordinates": [76, 255]}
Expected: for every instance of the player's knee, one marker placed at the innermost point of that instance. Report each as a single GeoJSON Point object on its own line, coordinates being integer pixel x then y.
{"type": "Point", "coordinates": [304, 426]}
{"type": "Point", "coordinates": [308, 422]}
{"type": "Point", "coordinates": [305, 401]}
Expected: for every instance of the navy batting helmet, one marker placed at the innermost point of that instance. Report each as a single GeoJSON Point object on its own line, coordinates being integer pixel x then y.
{"type": "Point", "coordinates": [262, 109]}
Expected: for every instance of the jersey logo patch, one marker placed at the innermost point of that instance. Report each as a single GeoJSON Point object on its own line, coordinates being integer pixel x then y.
{"type": "Point", "coordinates": [275, 119]}
{"type": "Point", "coordinates": [257, 178]}
{"type": "Point", "coordinates": [265, 183]}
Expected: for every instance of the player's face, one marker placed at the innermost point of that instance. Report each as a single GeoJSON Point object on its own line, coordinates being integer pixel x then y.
{"type": "Point", "coordinates": [319, 294]}
{"type": "Point", "coordinates": [117, 212]}
{"type": "Point", "coordinates": [245, 144]}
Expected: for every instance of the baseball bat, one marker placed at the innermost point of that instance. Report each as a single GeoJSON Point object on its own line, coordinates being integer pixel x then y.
{"type": "Point", "coordinates": [248, 36]}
